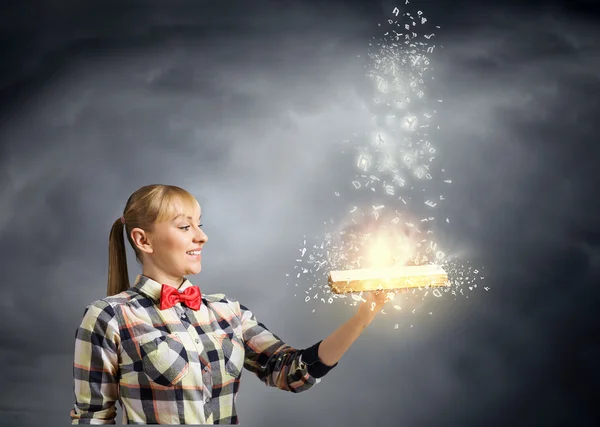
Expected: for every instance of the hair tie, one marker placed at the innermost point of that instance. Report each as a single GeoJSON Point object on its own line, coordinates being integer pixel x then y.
{"type": "Point", "coordinates": [122, 220]}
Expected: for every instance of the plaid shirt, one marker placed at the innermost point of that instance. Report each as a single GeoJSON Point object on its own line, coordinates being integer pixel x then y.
{"type": "Point", "coordinates": [177, 366]}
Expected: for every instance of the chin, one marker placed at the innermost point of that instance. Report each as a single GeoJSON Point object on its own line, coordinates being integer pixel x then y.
{"type": "Point", "coordinates": [194, 270]}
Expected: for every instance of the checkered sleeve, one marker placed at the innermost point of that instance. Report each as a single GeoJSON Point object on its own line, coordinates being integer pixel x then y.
{"type": "Point", "coordinates": [96, 366]}
{"type": "Point", "coordinates": [276, 363]}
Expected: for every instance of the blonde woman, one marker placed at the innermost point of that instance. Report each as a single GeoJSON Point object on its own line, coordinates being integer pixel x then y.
{"type": "Point", "coordinates": [168, 353]}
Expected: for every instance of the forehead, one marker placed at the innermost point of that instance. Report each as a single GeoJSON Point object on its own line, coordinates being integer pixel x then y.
{"type": "Point", "coordinates": [190, 210]}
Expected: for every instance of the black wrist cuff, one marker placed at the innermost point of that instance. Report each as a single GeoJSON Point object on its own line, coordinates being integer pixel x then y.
{"type": "Point", "coordinates": [315, 367]}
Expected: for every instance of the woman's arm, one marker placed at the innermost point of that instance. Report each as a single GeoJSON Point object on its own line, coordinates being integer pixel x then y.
{"type": "Point", "coordinates": [274, 362]}
{"type": "Point", "coordinates": [335, 345]}
{"type": "Point", "coordinates": [279, 365]}
{"type": "Point", "coordinates": [96, 366]}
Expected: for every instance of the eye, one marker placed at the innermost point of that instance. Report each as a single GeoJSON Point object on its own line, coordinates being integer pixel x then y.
{"type": "Point", "coordinates": [187, 227]}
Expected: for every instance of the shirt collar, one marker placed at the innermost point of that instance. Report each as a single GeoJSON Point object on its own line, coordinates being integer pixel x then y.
{"type": "Point", "coordinates": [152, 288]}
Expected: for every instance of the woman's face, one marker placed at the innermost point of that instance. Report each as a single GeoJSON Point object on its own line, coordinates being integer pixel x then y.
{"type": "Point", "coordinates": [175, 246]}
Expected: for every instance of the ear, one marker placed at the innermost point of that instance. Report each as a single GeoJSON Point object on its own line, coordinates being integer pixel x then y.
{"type": "Point", "coordinates": [141, 240]}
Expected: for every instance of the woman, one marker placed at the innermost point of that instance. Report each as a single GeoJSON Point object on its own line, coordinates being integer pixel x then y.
{"type": "Point", "coordinates": [169, 354]}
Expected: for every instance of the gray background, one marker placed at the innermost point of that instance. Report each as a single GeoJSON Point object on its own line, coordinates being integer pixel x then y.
{"type": "Point", "coordinates": [247, 107]}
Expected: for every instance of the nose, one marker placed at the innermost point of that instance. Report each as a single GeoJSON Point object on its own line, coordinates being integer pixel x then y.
{"type": "Point", "coordinates": [200, 236]}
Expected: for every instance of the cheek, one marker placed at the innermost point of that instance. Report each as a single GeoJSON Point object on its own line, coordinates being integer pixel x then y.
{"type": "Point", "coordinates": [173, 245]}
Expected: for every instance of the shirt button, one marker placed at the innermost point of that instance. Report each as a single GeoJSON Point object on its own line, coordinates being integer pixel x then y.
{"type": "Point", "coordinates": [197, 340]}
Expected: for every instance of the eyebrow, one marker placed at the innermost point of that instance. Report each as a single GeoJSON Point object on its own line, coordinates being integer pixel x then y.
{"type": "Point", "coordinates": [188, 217]}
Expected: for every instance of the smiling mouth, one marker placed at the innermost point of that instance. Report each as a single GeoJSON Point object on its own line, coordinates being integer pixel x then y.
{"type": "Point", "coordinates": [195, 254]}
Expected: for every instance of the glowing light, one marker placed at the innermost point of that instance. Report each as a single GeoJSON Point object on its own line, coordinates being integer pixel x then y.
{"type": "Point", "coordinates": [380, 254]}
{"type": "Point", "coordinates": [395, 166]}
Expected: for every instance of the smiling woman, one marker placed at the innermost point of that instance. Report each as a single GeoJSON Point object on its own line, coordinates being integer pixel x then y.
{"type": "Point", "coordinates": [168, 353]}
{"type": "Point", "coordinates": [153, 218]}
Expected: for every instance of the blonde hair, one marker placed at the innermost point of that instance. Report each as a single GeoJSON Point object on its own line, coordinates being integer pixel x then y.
{"type": "Point", "coordinates": [147, 206]}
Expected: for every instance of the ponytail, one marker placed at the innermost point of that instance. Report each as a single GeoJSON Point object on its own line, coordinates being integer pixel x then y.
{"type": "Point", "coordinates": [118, 277]}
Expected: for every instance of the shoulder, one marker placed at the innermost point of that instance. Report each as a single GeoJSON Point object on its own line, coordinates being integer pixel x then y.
{"type": "Point", "coordinates": [107, 307]}
{"type": "Point", "coordinates": [223, 299]}
{"type": "Point", "coordinates": [99, 316]}
{"type": "Point", "coordinates": [119, 299]}
{"type": "Point", "coordinates": [220, 299]}
{"type": "Point", "coordinates": [217, 298]}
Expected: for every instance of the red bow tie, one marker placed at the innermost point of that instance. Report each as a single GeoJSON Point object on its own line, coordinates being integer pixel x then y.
{"type": "Point", "coordinates": [169, 296]}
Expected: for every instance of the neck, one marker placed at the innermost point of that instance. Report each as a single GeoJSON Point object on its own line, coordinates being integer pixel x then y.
{"type": "Point", "coordinates": [163, 278]}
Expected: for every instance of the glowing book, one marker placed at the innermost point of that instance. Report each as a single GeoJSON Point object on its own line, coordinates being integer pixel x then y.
{"type": "Point", "coordinates": [387, 278]}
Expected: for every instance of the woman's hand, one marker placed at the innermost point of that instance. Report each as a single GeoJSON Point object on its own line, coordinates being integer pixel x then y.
{"type": "Point", "coordinates": [335, 345]}
{"type": "Point", "coordinates": [374, 302]}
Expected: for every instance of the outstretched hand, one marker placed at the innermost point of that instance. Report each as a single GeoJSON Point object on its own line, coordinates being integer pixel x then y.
{"type": "Point", "coordinates": [335, 345]}
{"type": "Point", "coordinates": [374, 302]}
